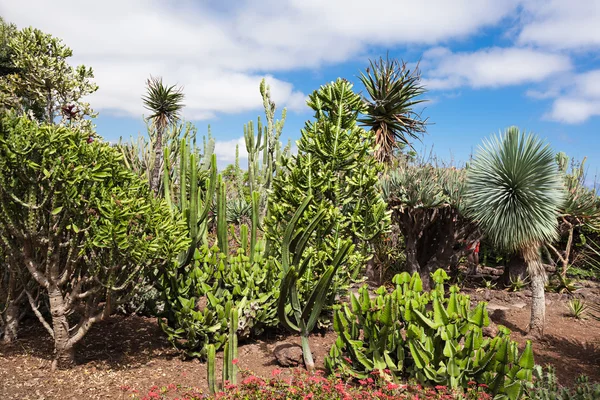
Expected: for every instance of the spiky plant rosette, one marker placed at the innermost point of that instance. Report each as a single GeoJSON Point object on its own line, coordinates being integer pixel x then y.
{"type": "Point", "coordinates": [514, 190]}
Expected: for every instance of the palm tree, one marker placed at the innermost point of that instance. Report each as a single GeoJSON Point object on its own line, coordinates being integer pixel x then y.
{"type": "Point", "coordinates": [165, 104]}
{"type": "Point", "coordinates": [514, 192]}
{"type": "Point", "coordinates": [393, 93]}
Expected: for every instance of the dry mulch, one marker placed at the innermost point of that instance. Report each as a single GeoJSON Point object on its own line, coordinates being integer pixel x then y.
{"type": "Point", "coordinates": [131, 352]}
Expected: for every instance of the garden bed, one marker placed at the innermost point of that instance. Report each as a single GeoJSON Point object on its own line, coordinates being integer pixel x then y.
{"type": "Point", "coordinates": [125, 354]}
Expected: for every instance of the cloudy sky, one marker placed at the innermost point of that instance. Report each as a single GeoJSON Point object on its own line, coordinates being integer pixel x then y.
{"type": "Point", "coordinates": [488, 64]}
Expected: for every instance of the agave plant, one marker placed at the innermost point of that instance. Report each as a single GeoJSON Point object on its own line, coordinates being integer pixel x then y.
{"type": "Point", "coordinates": [165, 105]}
{"type": "Point", "coordinates": [393, 93]}
{"type": "Point", "coordinates": [514, 192]}
{"type": "Point", "coordinates": [577, 308]}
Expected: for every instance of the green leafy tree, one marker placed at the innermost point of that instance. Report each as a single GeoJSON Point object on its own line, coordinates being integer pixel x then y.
{"type": "Point", "coordinates": [7, 31]}
{"type": "Point", "coordinates": [335, 166]}
{"type": "Point", "coordinates": [77, 221]}
{"type": "Point", "coordinates": [46, 86]}
{"type": "Point", "coordinates": [165, 105]}
{"type": "Point", "coordinates": [394, 91]}
{"type": "Point", "coordinates": [514, 193]}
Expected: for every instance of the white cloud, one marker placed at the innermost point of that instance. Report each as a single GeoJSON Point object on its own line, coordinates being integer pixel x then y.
{"type": "Point", "coordinates": [578, 101]}
{"type": "Point", "coordinates": [561, 24]}
{"type": "Point", "coordinates": [225, 151]}
{"type": "Point", "coordinates": [490, 68]}
{"type": "Point", "coordinates": [219, 51]}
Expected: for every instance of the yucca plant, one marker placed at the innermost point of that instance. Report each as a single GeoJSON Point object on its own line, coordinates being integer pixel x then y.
{"type": "Point", "coordinates": [165, 105]}
{"type": "Point", "coordinates": [577, 308]}
{"type": "Point", "coordinates": [394, 91]}
{"type": "Point", "coordinates": [514, 192]}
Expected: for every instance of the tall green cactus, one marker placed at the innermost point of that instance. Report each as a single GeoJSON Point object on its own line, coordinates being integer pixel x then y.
{"type": "Point", "coordinates": [264, 142]}
{"type": "Point", "coordinates": [229, 371]}
{"type": "Point", "coordinates": [294, 264]}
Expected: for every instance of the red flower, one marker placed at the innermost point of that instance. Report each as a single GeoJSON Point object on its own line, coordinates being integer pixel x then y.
{"type": "Point", "coordinates": [275, 372]}
{"type": "Point", "coordinates": [392, 386]}
{"type": "Point", "coordinates": [235, 361]}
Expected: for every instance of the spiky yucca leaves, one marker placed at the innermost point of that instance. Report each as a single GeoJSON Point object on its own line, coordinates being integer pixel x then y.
{"type": "Point", "coordinates": [514, 192]}
{"type": "Point", "coordinates": [335, 166]}
{"type": "Point", "coordinates": [394, 91]}
{"type": "Point", "coordinates": [165, 104]}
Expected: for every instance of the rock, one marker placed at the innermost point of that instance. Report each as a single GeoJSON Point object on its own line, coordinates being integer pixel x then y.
{"type": "Point", "coordinates": [490, 331]}
{"type": "Point", "coordinates": [519, 305]}
{"type": "Point", "coordinates": [494, 307]}
{"type": "Point", "coordinates": [288, 355]}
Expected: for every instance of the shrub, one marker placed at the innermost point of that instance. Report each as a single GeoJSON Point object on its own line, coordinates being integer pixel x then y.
{"type": "Point", "coordinates": [545, 387]}
{"type": "Point", "coordinates": [435, 339]}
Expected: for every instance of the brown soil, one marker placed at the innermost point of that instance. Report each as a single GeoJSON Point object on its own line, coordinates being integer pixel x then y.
{"type": "Point", "coordinates": [132, 353]}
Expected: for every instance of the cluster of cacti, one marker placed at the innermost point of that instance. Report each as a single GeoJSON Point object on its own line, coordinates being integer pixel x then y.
{"type": "Point", "coordinates": [264, 147]}
{"type": "Point", "coordinates": [230, 353]}
{"type": "Point", "coordinates": [409, 333]}
{"type": "Point", "coordinates": [208, 281]}
{"type": "Point", "coordinates": [334, 166]}
{"type": "Point", "coordinates": [294, 264]}
{"type": "Point", "coordinates": [545, 387]}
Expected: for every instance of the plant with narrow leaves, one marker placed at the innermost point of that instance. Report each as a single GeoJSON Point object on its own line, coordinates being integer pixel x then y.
{"type": "Point", "coordinates": [514, 193]}
{"type": "Point", "coordinates": [577, 308]}
{"type": "Point", "coordinates": [165, 105]}
{"type": "Point", "coordinates": [294, 264]}
{"type": "Point", "coordinates": [394, 91]}
{"type": "Point", "coordinates": [428, 336]}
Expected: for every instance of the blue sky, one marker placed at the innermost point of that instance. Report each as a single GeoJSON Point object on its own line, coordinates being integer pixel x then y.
{"type": "Point", "coordinates": [488, 64]}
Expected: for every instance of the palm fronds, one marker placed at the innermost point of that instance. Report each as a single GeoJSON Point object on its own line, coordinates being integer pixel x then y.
{"type": "Point", "coordinates": [393, 93]}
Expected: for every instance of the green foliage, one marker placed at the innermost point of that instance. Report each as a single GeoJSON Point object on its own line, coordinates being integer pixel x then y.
{"type": "Point", "coordinates": [577, 308]}
{"type": "Point", "coordinates": [394, 91]}
{"type": "Point", "coordinates": [229, 357]}
{"type": "Point", "coordinates": [294, 263]}
{"type": "Point", "coordinates": [515, 191]}
{"type": "Point", "coordinates": [545, 387]}
{"type": "Point", "coordinates": [46, 86]}
{"type": "Point", "coordinates": [425, 335]}
{"type": "Point", "coordinates": [335, 167]}
{"type": "Point", "coordinates": [7, 31]}
{"type": "Point", "coordinates": [207, 282]}
{"type": "Point", "coordinates": [78, 222]}
{"type": "Point", "coordinates": [517, 284]}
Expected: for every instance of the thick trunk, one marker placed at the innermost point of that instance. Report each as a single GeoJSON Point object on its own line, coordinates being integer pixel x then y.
{"type": "Point", "coordinates": [537, 274]}
{"type": "Point", "coordinates": [65, 354]}
{"type": "Point", "coordinates": [11, 325]}
{"type": "Point", "coordinates": [412, 264]}
{"type": "Point", "coordinates": [538, 306]}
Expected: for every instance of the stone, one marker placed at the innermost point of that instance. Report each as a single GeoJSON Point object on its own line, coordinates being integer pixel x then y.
{"type": "Point", "coordinates": [288, 355]}
{"type": "Point", "coordinates": [519, 305]}
{"type": "Point", "coordinates": [494, 307]}
{"type": "Point", "coordinates": [490, 331]}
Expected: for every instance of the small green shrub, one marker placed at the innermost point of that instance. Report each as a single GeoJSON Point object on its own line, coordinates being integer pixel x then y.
{"type": "Point", "coordinates": [545, 387]}
{"type": "Point", "coordinates": [435, 339]}
{"type": "Point", "coordinates": [577, 308]}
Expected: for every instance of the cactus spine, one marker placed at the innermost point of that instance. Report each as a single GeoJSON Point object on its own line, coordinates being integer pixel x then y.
{"type": "Point", "coordinates": [294, 266]}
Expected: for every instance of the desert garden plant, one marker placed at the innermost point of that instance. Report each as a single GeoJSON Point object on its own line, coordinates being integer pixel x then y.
{"type": "Point", "coordinates": [394, 90]}
{"type": "Point", "coordinates": [577, 308]}
{"type": "Point", "coordinates": [515, 194]}
{"type": "Point", "coordinates": [78, 223]}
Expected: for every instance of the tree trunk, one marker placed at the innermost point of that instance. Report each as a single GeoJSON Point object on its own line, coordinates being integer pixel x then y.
{"type": "Point", "coordinates": [412, 264]}
{"type": "Point", "coordinates": [11, 322]}
{"type": "Point", "coordinates": [537, 274]}
{"type": "Point", "coordinates": [65, 354]}
{"type": "Point", "coordinates": [158, 161]}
